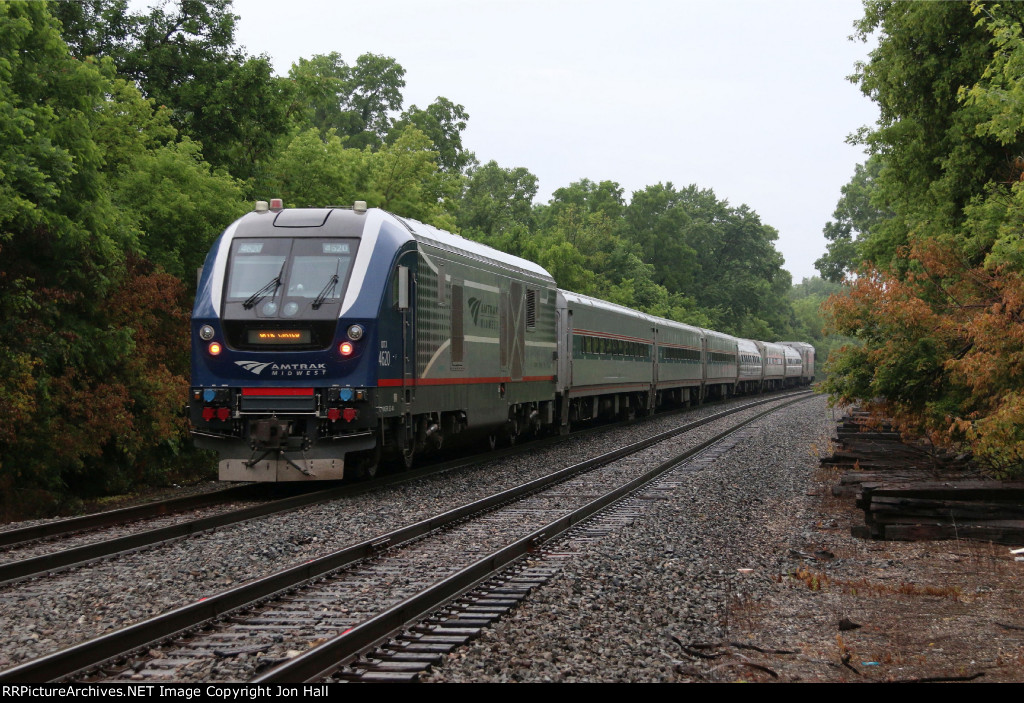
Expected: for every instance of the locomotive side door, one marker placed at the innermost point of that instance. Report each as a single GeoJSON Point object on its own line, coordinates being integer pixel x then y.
{"type": "Point", "coordinates": [407, 295]}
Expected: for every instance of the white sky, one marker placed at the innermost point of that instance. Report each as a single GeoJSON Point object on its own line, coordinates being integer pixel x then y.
{"type": "Point", "coordinates": [746, 97]}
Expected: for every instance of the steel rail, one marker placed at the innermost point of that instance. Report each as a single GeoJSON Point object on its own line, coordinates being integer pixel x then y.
{"type": "Point", "coordinates": [108, 518]}
{"type": "Point", "coordinates": [78, 556]}
{"type": "Point", "coordinates": [67, 662]}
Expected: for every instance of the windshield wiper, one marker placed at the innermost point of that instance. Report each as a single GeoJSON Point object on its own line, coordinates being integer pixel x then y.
{"type": "Point", "coordinates": [272, 285]}
{"type": "Point", "coordinates": [331, 283]}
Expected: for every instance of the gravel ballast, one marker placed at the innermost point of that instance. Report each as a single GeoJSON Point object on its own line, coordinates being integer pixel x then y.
{"type": "Point", "coordinates": [621, 609]}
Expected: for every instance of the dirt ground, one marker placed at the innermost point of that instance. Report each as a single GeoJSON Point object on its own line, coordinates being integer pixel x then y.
{"type": "Point", "coordinates": [942, 610]}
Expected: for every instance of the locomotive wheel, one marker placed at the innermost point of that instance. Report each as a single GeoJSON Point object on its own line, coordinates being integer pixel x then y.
{"type": "Point", "coordinates": [370, 470]}
{"type": "Point", "coordinates": [366, 464]}
{"type": "Point", "coordinates": [512, 430]}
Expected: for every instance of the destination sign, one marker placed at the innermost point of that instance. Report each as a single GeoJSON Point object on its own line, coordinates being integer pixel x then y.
{"type": "Point", "coordinates": [279, 337]}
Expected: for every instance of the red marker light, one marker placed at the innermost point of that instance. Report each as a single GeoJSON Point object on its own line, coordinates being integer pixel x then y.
{"type": "Point", "coordinates": [345, 348]}
{"type": "Point", "coordinates": [214, 348]}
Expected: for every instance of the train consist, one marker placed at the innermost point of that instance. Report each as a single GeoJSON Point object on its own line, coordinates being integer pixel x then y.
{"type": "Point", "coordinates": [326, 338]}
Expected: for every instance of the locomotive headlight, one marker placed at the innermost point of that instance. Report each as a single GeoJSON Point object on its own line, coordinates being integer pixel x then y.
{"type": "Point", "coordinates": [214, 348]}
{"type": "Point", "coordinates": [355, 332]}
{"type": "Point", "coordinates": [206, 332]}
{"type": "Point", "coordinates": [290, 309]}
{"type": "Point", "coordinates": [345, 348]}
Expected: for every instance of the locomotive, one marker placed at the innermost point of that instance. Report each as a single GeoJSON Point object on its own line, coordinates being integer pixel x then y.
{"type": "Point", "coordinates": [327, 338]}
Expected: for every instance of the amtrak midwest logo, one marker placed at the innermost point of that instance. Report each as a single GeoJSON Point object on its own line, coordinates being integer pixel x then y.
{"type": "Point", "coordinates": [484, 314]}
{"type": "Point", "coordinates": [257, 367]}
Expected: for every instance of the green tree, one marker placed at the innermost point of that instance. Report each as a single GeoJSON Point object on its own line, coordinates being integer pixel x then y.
{"type": "Point", "coordinates": [181, 55]}
{"type": "Point", "coordinates": [374, 91]}
{"type": "Point", "coordinates": [497, 206]}
{"type": "Point", "coordinates": [62, 249]}
{"type": "Point", "coordinates": [404, 178]}
{"type": "Point", "coordinates": [94, 27]}
{"type": "Point", "coordinates": [312, 172]}
{"type": "Point", "coordinates": [94, 350]}
{"type": "Point", "coordinates": [320, 86]}
{"type": "Point", "coordinates": [443, 122]}
{"type": "Point", "coordinates": [853, 220]}
{"type": "Point", "coordinates": [934, 161]}
{"type": "Point", "coordinates": [721, 256]}
{"type": "Point", "coordinates": [655, 221]}
{"type": "Point", "coordinates": [585, 198]}
{"type": "Point", "coordinates": [355, 101]}
{"type": "Point", "coordinates": [178, 206]}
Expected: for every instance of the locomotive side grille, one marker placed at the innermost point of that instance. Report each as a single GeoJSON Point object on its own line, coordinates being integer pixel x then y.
{"type": "Point", "coordinates": [531, 308]}
{"type": "Point", "coordinates": [432, 318]}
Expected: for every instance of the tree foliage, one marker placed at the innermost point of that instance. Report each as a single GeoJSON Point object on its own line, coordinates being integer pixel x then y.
{"type": "Point", "coordinates": [353, 101]}
{"type": "Point", "coordinates": [853, 220]}
{"type": "Point", "coordinates": [181, 55]}
{"type": "Point", "coordinates": [93, 350]}
{"type": "Point", "coordinates": [683, 255]}
{"type": "Point", "coordinates": [935, 306]}
{"type": "Point", "coordinates": [497, 205]}
{"type": "Point", "coordinates": [443, 122]}
{"type": "Point", "coordinates": [723, 256]}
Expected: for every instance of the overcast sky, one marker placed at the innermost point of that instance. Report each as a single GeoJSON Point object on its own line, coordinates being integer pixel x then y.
{"type": "Point", "coordinates": [746, 97]}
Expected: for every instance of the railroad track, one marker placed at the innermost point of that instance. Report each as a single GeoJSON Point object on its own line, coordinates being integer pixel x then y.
{"type": "Point", "coordinates": [180, 526]}
{"type": "Point", "coordinates": [456, 550]}
{"type": "Point", "coordinates": [43, 560]}
{"type": "Point", "coordinates": [39, 550]}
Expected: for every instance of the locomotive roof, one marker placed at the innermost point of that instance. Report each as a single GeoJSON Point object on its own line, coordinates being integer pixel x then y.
{"type": "Point", "coordinates": [467, 247]}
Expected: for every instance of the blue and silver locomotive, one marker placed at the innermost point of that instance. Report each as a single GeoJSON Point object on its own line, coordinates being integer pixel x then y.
{"type": "Point", "coordinates": [326, 337]}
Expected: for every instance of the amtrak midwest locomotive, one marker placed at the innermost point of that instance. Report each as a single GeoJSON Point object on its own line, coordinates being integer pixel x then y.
{"type": "Point", "coordinates": [326, 338]}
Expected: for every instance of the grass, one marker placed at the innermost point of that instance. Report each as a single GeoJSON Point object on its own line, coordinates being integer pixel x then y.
{"type": "Point", "coordinates": [817, 581]}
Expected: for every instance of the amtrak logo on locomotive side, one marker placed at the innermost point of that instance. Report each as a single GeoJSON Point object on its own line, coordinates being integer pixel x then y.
{"type": "Point", "coordinates": [484, 315]}
{"type": "Point", "coordinates": [257, 367]}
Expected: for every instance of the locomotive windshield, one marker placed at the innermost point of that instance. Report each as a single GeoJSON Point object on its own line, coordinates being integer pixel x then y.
{"type": "Point", "coordinates": [281, 276]}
